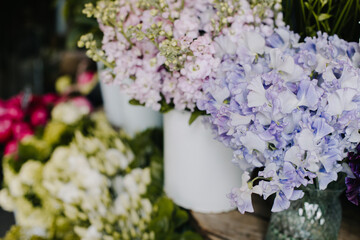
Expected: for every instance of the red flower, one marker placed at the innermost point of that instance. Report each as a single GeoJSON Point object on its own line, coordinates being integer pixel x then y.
{"type": "Point", "coordinates": [3, 111]}
{"type": "Point", "coordinates": [39, 116]}
{"type": "Point", "coordinates": [50, 98]}
{"type": "Point", "coordinates": [11, 147]}
{"type": "Point", "coordinates": [5, 129]}
{"type": "Point", "coordinates": [21, 130]}
{"type": "Point", "coordinates": [15, 101]}
{"type": "Point", "coordinates": [14, 112]}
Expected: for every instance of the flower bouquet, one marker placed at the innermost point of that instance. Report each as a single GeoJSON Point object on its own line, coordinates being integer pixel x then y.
{"type": "Point", "coordinates": [161, 53]}
{"type": "Point", "coordinates": [96, 184]}
{"type": "Point", "coordinates": [289, 109]}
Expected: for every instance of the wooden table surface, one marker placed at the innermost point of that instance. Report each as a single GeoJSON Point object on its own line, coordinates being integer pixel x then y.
{"type": "Point", "coordinates": [252, 226]}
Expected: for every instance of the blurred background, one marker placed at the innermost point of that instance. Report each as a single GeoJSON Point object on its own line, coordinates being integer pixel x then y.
{"type": "Point", "coordinates": [38, 43]}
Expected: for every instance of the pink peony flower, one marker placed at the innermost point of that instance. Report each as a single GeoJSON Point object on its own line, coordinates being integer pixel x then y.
{"type": "Point", "coordinates": [50, 98]}
{"type": "Point", "coordinates": [5, 129]}
{"type": "Point", "coordinates": [11, 147]}
{"type": "Point", "coordinates": [39, 117]}
{"type": "Point", "coordinates": [83, 104]}
{"type": "Point", "coordinates": [85, 78]}
{"type": "Point", "coordinates": [21, 130]}
{"type": "Point", "coordinates": [3, 111]}
{"type": "Point", "coordinates": [15, 101]}
{"type": "Point", "coordinates": [14, 112]}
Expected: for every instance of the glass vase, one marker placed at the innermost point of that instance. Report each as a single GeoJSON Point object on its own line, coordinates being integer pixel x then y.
{"type": "Point", "coordinates": [317, 216]}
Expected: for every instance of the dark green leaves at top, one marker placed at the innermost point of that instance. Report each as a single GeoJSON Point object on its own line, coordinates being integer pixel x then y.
{"type": "Point", "coordinates": [339, 17]}
{"type": "Point", "coordinates": [324, 16]}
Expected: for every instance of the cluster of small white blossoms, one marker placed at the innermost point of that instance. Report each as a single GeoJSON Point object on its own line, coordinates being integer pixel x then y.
{"type": "Point", "coordinates": [86, 188]}
{"type": "Point", "coordinates": [164, 50]}
{"type": "Point", "coordinates": [97, 190]}
{"type": "Point", "coordinates": [25, 195]}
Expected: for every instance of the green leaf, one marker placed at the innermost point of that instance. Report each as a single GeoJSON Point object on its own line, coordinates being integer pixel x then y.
{"type": "Point", "coordinates": [160, 224]}
{"type": "Point", "coordinates": [165, 206]}
{"type": "Point", "coordinates": [188, 235]}
{"type": "Point", "coordinates": [136, 102]}
{"type": "Point", "coordinates": [324, 16]}
{"type": "Point", "coordinates": [308, 6]}
{"type": "Point", "coordinates": [323, 2]}
{"type": "Point", "coordinates": [195, 115]}
{"type": "Point", "coordinates": [180, 217]}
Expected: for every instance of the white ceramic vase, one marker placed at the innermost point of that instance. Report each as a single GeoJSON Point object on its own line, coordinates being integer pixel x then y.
{"type": "Point", "coordinates": [121, 113]}
{"type": "Point", "coordinates": [198, 169]}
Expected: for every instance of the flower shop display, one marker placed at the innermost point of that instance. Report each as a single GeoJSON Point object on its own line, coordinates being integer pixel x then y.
{"type": "Point", "coordinates": [160, 53]}
{"type": "Point", "coordinates": [290, 110]}
{"type": "Point", "coordinates": [95, 184]}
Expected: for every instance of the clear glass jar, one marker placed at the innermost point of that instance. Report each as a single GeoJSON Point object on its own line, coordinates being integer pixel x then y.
{"type": "Point", "coordinates": [317, 216]}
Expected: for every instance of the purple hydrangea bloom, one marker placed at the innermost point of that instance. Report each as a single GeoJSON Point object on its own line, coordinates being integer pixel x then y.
{"type": "Point", "coordinates": [290, 108]}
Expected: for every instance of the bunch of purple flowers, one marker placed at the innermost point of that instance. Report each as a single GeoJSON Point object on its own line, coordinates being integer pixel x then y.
{"type": "Point", "coordinates": [289, 108]}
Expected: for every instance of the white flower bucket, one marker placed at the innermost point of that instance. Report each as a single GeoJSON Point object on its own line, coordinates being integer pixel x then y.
{"type": "Point", "coordinates": [121, 113]}
{"type": "Point", "coordinates": [198, 169]}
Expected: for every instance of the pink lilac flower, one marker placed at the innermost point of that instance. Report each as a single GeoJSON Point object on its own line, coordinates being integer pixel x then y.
{"type": "Point", "coordinates": [139, 68]}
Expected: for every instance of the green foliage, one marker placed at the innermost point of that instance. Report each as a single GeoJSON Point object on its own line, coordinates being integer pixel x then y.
{"type": "Point", "coordinates": [34, 199]}
{"type": "Point", "coordinates": [307, 17]}
{"type": "Point", "coordinates": [168, 222]}
{"type": "Point", "coordinates": [15, 233]}
{"type": "Point", "coordinates": [136, 102]}
{"type": "Point", "coordinates": [194, 115]}
{"type": "Point", "coordinates": [148, 148]}
{"type": "Point", "coordinates": [165, 107]}
{"type": "Point", "coordinates": [146, 145]}
{"type": "Point", "coordinates": [78, 23]}
{"type": "Point", "coordinates": [29, 148]}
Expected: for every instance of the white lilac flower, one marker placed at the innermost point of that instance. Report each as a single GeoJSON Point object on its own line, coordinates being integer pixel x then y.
{"type": "Point", "coordinates": [66, 113]}
{"type": "Point", "coordinates": [98, 191]}
{"type": "Point", "coordinates": [6, 200]}
{"type": "Point", "coordinates": [291, 107]}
